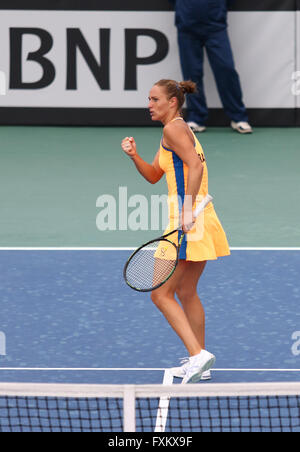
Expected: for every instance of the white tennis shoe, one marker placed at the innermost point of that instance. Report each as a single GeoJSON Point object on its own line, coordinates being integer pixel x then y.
{"type": "Point", "coordinates": [197, 128]}
{"type": "Point", "coordinates": [197, 366]}
{"type": "Point", "coordinates": [179, 372]}
{"type": "Point", "coordinates": [241, 127]}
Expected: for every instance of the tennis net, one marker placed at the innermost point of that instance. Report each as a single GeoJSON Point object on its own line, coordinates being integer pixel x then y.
{"type": "Point", "coordinates": [256, 407]}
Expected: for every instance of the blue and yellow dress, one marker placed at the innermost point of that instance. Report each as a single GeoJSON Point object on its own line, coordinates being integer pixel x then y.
{"type": "Point", "coordinates": [207, 240]}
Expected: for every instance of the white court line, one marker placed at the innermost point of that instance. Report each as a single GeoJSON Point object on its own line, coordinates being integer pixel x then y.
{"type": "Point", "coordinates": [164, 402]}
{"type": "Point", "coordinates": [135, 369]}
{"type": "Point", "coordinates": [85, 369]}
{"type": "Point", "coordinates": [67, 248]}
{"type": "Point", "coordinates": [134, 248]}
{"type": "Point", "coordinates": [265, 248]}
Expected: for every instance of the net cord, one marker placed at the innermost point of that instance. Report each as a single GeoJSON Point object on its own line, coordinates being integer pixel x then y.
{"type": "Point", "coordinates": [155, 390]}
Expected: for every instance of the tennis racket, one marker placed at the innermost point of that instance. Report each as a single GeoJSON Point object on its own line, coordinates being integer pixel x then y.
{"type": "Point", "coordinates": [153, 263]}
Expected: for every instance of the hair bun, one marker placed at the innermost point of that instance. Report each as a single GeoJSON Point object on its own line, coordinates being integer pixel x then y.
{"type": "Point", "coordinates": [188, 87]}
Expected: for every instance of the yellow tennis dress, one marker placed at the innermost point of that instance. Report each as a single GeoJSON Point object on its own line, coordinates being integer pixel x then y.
{"type": "Point", "coordinates": [207, 240]}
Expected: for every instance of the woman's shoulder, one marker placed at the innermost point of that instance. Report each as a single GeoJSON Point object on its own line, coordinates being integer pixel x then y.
{"type": "Point", "coordinates": [176, 130]}
{"type": "Point", "coordinates": [175, 126]}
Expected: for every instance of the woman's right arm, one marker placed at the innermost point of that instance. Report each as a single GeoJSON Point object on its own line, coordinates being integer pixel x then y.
{"type": "Point", "coordinates": [151, 172]}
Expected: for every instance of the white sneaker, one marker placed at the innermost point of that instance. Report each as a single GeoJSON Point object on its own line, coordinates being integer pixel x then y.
{"type": "Point", "coordinates": [196, 127]}
{"type": "Point", "coordinates": [198, 364]}
{"type": "Point", "coordinates": [206, 375]}
{"type": "Point", "coordinates": [241, 127]}
{"type": "Point", "coordinates": [179, 372]}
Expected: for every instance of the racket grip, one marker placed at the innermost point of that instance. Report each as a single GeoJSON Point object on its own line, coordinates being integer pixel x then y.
{"type": "Point", "coordinates": [201, 206]}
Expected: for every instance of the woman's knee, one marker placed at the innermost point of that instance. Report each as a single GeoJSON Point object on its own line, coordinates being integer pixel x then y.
{"type": "Point", "coordinates": [154, 297]}
{"type": "Point", "coordinates": [185, 294]}
{"type": "Point", "coordinates": [159, 298]}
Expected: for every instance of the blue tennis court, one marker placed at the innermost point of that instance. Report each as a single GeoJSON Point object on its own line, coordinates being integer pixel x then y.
{"type": "Point", "coordinates": [67, 316]}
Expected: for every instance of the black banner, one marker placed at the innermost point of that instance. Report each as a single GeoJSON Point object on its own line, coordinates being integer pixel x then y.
{"type": "Point", "coordinates": [266, 117]}
{"type": "Point", "coordinates": [138, 5]}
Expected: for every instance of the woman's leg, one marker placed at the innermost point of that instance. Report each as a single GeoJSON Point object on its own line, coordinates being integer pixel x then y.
{"type": "Point", "coordinates": [191, 303]}
{"type": "Point", "coordinates": [164, 299]}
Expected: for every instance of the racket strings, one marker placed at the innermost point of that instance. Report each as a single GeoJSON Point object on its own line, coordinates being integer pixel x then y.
{"type": "Point", "coordinates": [152, 265]}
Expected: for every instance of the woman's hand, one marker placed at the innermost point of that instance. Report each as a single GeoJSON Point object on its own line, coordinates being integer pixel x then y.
{"type": "Point", "coordinates": [187, 219]}
{"type": "Point", "coordinates": [129, 146]}
{"type": "Point", "coordinates": [151, 172]}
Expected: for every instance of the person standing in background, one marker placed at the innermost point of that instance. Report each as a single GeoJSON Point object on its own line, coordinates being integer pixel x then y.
{"type": "Point", "coordinates": [203, 24]}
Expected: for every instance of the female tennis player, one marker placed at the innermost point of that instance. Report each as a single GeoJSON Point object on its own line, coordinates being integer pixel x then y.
{"type": "Point", "coordinates": [182, 159]}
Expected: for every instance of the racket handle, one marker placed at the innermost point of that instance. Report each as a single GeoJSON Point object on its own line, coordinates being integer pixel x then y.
{"type": "Point", "coordinates": [201, 206]}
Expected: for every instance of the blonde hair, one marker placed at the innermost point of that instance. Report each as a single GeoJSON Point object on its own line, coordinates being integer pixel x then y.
{"type": "Point", "coordinates": [177, 89]}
